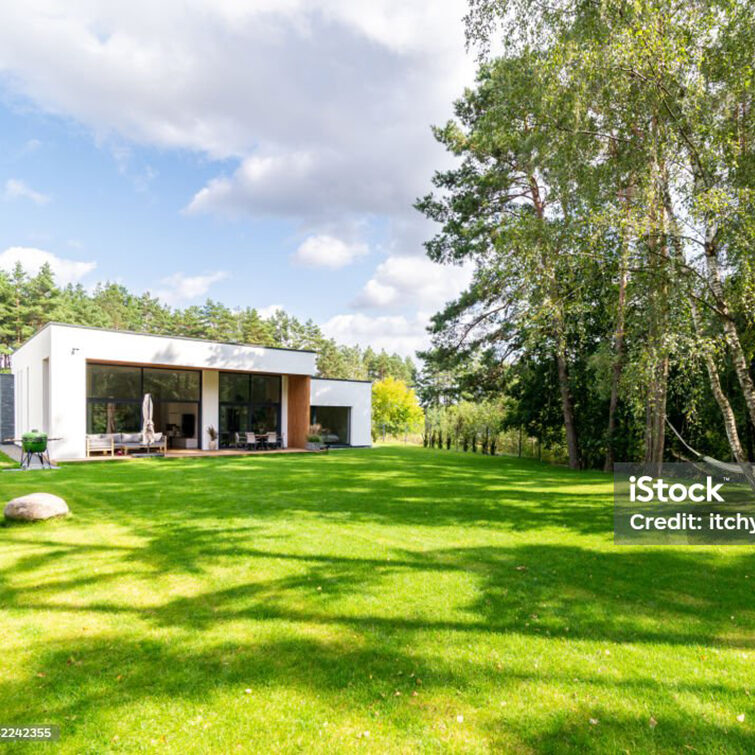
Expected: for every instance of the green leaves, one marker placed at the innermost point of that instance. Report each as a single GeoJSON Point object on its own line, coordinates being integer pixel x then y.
{"type": "Point", "coordinates": [395, 408]}
{"type": "Point", "coordinates": [604, 142]}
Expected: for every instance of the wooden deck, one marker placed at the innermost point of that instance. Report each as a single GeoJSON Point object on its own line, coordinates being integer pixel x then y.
{"type": "Point", "coordinates": [186, 453]}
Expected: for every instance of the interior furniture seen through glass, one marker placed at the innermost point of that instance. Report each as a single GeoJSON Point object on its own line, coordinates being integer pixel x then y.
{"type": "Point", "coordinates": [115, 394]}
{"type": "Point", "coordinates": [335, 423]}
{"type": "Point", "coordinates": [248, 403]}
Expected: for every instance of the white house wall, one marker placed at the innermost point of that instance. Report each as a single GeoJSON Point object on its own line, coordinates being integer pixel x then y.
{"type": "Point", "coordinates": [136, 348]}
{"type": "Point", "coordinates": [355, 394]}
{"type": "Point", "coordinates": [61, 409]}
{"type": "Point", "coordinates": [69, 348]}
{"type": "Point", "coordinates": [29, 384]}
{"type": "Point", "coordinates": [210, 405]}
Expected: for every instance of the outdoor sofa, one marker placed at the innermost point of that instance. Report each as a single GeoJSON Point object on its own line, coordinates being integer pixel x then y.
{"type": "Point", "coordinates": [111, 443]}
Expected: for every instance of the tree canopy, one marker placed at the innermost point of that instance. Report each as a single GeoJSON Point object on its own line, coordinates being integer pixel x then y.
{"type": "Point", "coordinates": [29, 302]}
{"type": "Point", "coordinates": [604, 191]}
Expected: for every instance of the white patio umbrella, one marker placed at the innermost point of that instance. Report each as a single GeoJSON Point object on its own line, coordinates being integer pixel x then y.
{"type": "Point", "coordinates": [148, 426]}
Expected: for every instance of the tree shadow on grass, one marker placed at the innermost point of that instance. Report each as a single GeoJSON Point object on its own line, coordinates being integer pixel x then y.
{"type": "Point", "coordinates": [112, 674]}
{"type": "Point", "coordinates": [383, 486]}
{"type": "Point", "coordinates": [104, 676]}
{"type": "Point", "coordinates": [638, 597]}
{"type": "Point", "coordinates": [568, 732]}
{"type": "Point", "coordinates": [650, 596]}
{"type": "Point", "coordinates": [235, 515]}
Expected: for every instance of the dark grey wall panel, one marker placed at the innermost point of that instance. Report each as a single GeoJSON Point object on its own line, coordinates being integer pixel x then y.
{"type": "Point", "coordinates": [6, 406]}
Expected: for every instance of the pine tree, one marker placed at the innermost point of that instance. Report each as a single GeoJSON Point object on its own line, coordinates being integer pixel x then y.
{"type": "Point", "coordinates": [19, 306]}
{"type": "Point", "coordinates": [253, 329]}
{"type": "Point", "coordinates": [42, 299]}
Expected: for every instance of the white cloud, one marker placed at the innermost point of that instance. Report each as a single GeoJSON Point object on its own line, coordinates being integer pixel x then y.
{"type": "Point", "coordinates": [223, 77]}
{"type": "Point", "coordinates": [403, 282]}
{"type": "Point", "coordinates": [65, 271]}
{"type": "Point", "coordinates": [395, 333]}
{"type": "Point", "coordinates": [323, 250]}
{"type": "Point", "coordinates": [324, 104]}
{"type": "Point", "coordinates": [17, 189]}
{"type": "Point", "coordinates": [315, 185]}
{"type": "Point", "coordinates": [178, 288]}
{"type": "Point", "coordinates": [322, 109]}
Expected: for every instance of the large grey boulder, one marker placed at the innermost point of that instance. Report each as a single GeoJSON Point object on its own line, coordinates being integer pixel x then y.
{"type": "Point", "coordinates": [35, 507]}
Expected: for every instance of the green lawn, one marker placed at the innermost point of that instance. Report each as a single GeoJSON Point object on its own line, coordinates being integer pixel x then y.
{"type": "Point", "coordinates": [439, 601]}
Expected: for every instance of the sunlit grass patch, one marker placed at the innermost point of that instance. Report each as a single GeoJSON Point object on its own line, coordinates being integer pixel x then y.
{"type": "Point", "coordinates": [390, 600]}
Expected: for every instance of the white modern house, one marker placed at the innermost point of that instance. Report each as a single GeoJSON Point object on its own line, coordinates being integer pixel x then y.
{"type": "Point", "coordinates": [73, 381]}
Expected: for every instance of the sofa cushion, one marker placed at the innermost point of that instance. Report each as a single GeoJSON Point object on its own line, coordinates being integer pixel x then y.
{"type": "Point", "coordinates": [131, 437]}
{"type": "Point", "coordinates": [99, 441]}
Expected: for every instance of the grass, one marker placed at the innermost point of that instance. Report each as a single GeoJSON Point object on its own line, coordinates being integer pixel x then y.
{"type": "Point", "coordinates": [441, 602]}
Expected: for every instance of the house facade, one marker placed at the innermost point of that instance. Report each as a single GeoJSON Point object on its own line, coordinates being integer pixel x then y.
{"type": "Point", "coordinates": [72, 381]}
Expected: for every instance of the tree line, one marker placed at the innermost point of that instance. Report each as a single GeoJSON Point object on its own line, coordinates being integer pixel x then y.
{"type": "Point", "coordinates": [28, 302]}
{"type": "Point", "coordinates": [604, 194]}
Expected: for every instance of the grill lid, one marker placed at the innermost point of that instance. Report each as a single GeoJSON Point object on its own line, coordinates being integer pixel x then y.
{"type": "Point", "coordinates": [34, 441]}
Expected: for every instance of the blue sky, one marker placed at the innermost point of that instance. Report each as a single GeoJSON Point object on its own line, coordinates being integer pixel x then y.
{"type": "Point", "coordinates": [260, 153]}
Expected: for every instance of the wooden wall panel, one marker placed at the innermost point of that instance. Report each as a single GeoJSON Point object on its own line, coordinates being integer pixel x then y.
{"type": "Point", "coordinates": [298, 410]}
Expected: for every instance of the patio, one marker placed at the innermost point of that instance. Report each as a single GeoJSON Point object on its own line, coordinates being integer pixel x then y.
{"type": "Point", "coordinates": [14, 452]}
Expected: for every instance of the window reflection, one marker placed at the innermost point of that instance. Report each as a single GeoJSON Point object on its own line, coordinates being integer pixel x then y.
{"type": "Point", "coordinates": [248, 403]}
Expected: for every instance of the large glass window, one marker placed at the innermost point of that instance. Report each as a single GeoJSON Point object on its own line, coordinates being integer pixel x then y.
{"type": "Point", "coordinates": [115, 394]}
{"type": "Point", "coordinates": [112, 417]}
{"type": "Point", "coordinates": [265, 419]}
{"type": "Point", "coordinates": [248, 403]}
{"type": "Point", "coordinates": [234, 387]}
{"type": "Point", "coordinates": [114, 381]}
{"type": "Point", "coordinates": [334, 421]}
{"type": "Point", "coordinates": [171, 385]}
{"type": "Point", "coordinates": [234, 418]}
{"type": "Point", "coordinates": [266, 389]}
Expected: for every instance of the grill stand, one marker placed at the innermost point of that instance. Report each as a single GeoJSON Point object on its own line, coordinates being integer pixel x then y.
{"type": "Point", "coordinates": [44, 459]}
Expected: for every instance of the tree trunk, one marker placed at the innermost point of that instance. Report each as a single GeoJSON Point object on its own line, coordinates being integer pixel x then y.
{"type": "Point", "coordinates": [730, 329]}
{"type": "Point", "coordinates": [655, 415]}
{"type": "Point", "coordinates": [618, 365]}
{"type": "Point", "coordinates": [655, 407]}
{"type": "Point", "coordinates": [559, 333]}
{"type": "Point", "coordinates": [730, 422]}
{"type": "Point", "coordinates": [567, 408]}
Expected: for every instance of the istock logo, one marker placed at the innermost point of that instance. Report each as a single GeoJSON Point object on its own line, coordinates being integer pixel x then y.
{"type": "Point", "coordinates": [682, 503]}
{"type": "Point", "coordinates": [658, 490]}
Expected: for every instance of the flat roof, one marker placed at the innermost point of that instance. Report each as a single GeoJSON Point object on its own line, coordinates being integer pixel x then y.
{"type": "Point", "coordinates": [164, 335]}
{"type": "Point", "coordinates": [341, 380]}
{"type": "Point", "coordinates": [187, 338]}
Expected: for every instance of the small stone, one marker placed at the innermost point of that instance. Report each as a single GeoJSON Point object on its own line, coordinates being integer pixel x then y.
{"type": "Point", "coordinates": [36, 507]}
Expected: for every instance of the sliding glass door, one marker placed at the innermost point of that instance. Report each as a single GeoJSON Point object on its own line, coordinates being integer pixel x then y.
{"type": "Point", "coordinates": [114, 401]}
{"type": "Point", "coordinates": [248, 403]}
